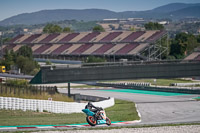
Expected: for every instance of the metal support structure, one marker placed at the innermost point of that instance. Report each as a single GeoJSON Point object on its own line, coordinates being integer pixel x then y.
{"type": "Point", "coordinates": [69, 90]}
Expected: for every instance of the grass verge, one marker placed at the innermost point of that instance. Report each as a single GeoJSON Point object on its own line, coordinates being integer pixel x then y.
{"type": "Point", "coordinates": [121, 111]}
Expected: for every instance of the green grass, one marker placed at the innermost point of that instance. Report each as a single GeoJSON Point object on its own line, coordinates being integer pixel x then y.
{"type": "Point", "coordinates": [121, 111]}
{"type": "Point", "coordinates": [160, 82]}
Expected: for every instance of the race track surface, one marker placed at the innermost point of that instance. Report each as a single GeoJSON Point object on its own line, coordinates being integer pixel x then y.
{"type": "Point", "coordinates": [154, 108]}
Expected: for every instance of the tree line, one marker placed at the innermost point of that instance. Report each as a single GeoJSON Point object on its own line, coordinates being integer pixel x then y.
{"type": "Point", "coordinates": [22, 59]}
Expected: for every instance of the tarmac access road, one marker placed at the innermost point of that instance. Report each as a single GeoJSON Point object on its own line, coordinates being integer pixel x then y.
{"type": "Point", "coordinates": [154, 109]}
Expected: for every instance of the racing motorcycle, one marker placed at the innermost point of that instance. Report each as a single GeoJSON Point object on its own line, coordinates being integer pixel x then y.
{"type": "Point", "coordinates": [97, 118]}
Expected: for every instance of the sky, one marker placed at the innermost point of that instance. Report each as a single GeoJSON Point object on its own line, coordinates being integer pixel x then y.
{"type": "Point", "coordinates": [10, 8]}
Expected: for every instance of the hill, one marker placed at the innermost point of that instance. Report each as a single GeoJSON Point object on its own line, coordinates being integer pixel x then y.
{"type": "Point", "coordinates": [172, 11]}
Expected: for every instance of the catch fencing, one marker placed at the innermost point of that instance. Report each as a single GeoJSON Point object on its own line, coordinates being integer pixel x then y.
{"type": "Point", "coordinates": [47, 105]}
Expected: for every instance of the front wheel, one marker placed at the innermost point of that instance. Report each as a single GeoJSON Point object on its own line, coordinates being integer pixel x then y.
{"type": "Point", "coordinates": [108, 121]}
{"type": "Point", "coordinates": [91, 120]}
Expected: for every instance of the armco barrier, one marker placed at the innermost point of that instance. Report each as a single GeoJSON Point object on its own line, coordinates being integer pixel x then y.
{"type": "Point", "coordinates": [49, 106]}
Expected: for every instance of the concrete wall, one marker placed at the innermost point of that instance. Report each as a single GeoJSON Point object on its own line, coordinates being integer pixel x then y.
{"type": "Point", "coordinates": [159, 70]}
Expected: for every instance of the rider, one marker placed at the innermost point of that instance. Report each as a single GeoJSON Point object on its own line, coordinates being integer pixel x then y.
{"type": "Point", "coordinates": [92, 108]}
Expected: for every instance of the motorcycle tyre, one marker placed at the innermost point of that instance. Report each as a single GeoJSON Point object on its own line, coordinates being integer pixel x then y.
{"type": "Point", "coordinates": [108, 121]}
{"type": "Point", "coordinates": [89, 122]}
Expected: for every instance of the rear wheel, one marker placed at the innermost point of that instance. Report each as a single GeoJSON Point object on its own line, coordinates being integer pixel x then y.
{"type": "Point", "coordinates": [108, 121]}
{"type": "Point", "coordinates": [91, 120]}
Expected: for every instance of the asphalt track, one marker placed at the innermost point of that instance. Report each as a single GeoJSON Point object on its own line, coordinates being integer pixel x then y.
{"type": "Point", "coordinates": [155, 108]}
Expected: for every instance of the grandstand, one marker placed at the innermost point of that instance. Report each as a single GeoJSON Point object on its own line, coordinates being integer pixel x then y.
{"type": "Point", "coordinates": [195, 55]}
{"type": "Point", "coordinates": [124, 44]}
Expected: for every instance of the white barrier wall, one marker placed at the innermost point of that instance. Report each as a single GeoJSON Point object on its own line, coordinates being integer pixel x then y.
{"type": "Point", "coordinates": [50, 106]}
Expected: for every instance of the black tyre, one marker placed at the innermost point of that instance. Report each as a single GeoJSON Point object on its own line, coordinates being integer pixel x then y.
{"type": "Point", "coordinates": [108, 121]}
{"type": "Point", "coordinates": [91, 120]}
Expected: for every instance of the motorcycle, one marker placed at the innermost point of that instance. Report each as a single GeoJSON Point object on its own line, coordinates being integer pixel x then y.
{"type": "Point", "coordinates": [97, 118]}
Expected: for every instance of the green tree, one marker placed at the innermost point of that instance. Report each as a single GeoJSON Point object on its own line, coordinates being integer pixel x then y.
{"type": "Point", "coordinates": [92, 59]}
{"type": "Point", "coordinates": [67, 29]}
{"type": "Point", "coordinates": [8, 60]}
{"type": "Point", "coordinates": [183, 44]}
{"type": "Point", "coordinates": [153, 26]}
{"type": "Point", "coordinates": [26, 65]}
{"type": "Point", "coordinates": [98, 28]}
{"type": "Point", "coordinates": [25, 51]}
{"type": "Point", "coordinates": [51, 28]}
{"type": "Point", "coordinates": [48, 62]}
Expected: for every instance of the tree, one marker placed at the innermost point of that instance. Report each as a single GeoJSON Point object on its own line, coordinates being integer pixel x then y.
{"type": "Point", "coordinates": [25, 51]}
{"type": "Point", "coordinates": [183, 44]}
{"type": "Point", "coordinates": [153, 26]}
{"type": "Point", "coordinates": [67, 29]}
{"type": "Point", "coordinates": [98, 28]}
{"type": "Point", "coordinates": [51, 28]}
{"type": "Point", "coordinates": [92, 59]}
{"type": "Point", "coordinates": [8, 60]}
{"type": "Point", "coordinates": [26, 65]}
{"type": "Point", "coordinates": [48, 62]}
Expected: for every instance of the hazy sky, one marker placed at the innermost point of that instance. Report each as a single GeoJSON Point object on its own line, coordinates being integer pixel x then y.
{"type": "Point", "coordinates": [10, 8]}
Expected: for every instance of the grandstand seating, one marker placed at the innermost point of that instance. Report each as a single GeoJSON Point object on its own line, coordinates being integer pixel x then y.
{"type": "Point", "coordinates": [9, 47]}
{"type": "Point", "coordinates": [139, 48]}
{"type": "Point", "coordinates": [89, 37]}
{"type": "Point", "coordinates": [41, 49]}
{"type": "Point", "coordinates": [126, 49]}
{"type": "Point", "coordinates": [100, 36]}
{"type": "Point", "coordinates": [15, 38]}
{"type": "Point", "coordinates": [114, 49]}
{"type": "Point", "coordinates": [37, 40]}
{"type": "Point", "coordinates": [82, 48]}
{"type": "Point", "coordinates": [92, 49]}
{"type": "Point", "coordinates": [60, 49]}
{"type": "Point", "coordinates": [49, 38]}
{"type": "Point", "coordinates": [31, 38]}
{"type": "Point", "coordinates": [155, 36]}
{"type": "Point", "coordinates": [52, 48]}
{"type": "Point", "coordinates": [58, 38]}
{"type": "Point", "coordinates": [110, 37]}
{"type": "Point", "coordinates": [20, 40]}
{"type": "Point", "coordinates": [103, 49]}
{"type": "Point", "coordinates": [122, 36]}
{"type": "Point", "coordinates": [71, 49]}
{"type": "Point", "coordinates": [146, 35]}
{"type": "Point", "coordinates": [17, 47]}
{"type": "Point", "coordinates": [68, 37]}
{"type": "Point", "coordinates": [133, 36]}
{"type": "Point", "coordinates": [198, 57]}
{"type": "Point", "coordinates": [192, 56]}
{"type": "Point", "coordinates": [77, 38]}
{"type": "Point", "coordinates": [87, 43]}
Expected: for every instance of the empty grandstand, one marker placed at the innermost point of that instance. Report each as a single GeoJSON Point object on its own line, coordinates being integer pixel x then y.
{"type": "Point", "coordinates": [195, 55]}
{"type": "Point", "coordinates": [145, 45]}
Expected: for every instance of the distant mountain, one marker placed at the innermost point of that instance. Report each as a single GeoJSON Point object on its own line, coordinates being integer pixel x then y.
{"type": "Point", "coordinates": [189, 12]}
{"type": "Point", "coordinates": [173, 7]}
{"type": "Point", "coordinates": [172, 11]}
{"type": "Point", "coordinates": [58, 15]}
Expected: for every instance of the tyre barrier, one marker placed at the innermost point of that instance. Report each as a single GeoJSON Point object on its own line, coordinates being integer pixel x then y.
{"type": "Point", "coordinates": [48, 105]}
